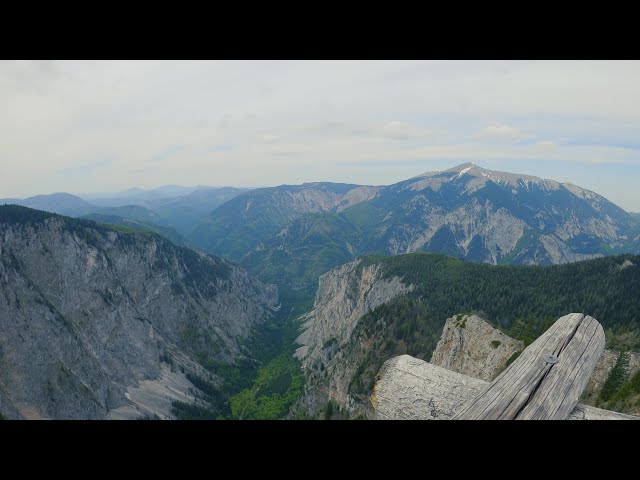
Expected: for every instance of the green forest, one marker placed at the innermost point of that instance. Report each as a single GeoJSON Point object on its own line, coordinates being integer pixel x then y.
{"type": "Point", "coordinates": [521, 301]}
{"type": "Point", "coordinates": [278, 385]}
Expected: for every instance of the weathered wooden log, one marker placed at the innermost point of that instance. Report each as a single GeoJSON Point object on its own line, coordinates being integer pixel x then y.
{"type": "Point", "coordinates": [412, 389]}
{"type": "Point", "coordinates": [546, 380]}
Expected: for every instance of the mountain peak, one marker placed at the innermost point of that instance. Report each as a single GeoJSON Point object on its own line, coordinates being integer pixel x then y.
{"type": "Point", "coordinates": [475, 177]}
{"type": "Point", "coordinates": [468, 168]}
{"type": "Point", "coordinates": [464, 166]}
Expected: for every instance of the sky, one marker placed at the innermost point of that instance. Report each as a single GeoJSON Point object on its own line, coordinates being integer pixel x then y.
{"type": "Point", "coordinates": [97, 126]}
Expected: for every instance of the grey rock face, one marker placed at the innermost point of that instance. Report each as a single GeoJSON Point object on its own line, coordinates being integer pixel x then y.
{"type": "Point", "coordinates": [86, 313]}
{"type": "Point", "coordinates": [355, 196]}
{"type": "Point", "coordinates": [471, 346]}
{"type": "Point", "coordinates": [345, 294]}
{"type": "Point", "coordinates": [294, 200]}
{"type": "Point", "coordinates": [493, 217]}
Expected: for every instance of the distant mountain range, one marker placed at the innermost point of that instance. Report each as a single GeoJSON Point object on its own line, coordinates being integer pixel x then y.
{"type": "Point", "coordinates": [292, 234]}
{"type": "Point", "coordinates": [139, 196]}
{"type": "Point", "coordinates": [173, 207]}
{"type": "Point", "coordinates": [61, 203]}
{"type": "Point", "coordinates": [244, 223]}
{"type": "Point", "coordinates": [114, 321]}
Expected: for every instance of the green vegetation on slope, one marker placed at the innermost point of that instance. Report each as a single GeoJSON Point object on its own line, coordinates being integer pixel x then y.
{"type": "Point", "coordinates": [621, 393]}
{"type": "Point", "coordinates": [277, 386]}
{"type": "Point", "coordinates": [266, 380]}
{"type": "Point", "coordinates": [522, 301]}
{"type": "Point", "coordinates": [135, 226]}
{"type": "Point", "coordinates": [626, 398]}
{"type": "Point", "coordinates": [616, 378]}
{"type": "Point", "coordinates": [23, 215]}
{"type": "Point", "coordinates": [131, 212]}
{"type": "Point", "coordinates": [313, 245]}
{"type": "Point", "coordinates": [599, 287]}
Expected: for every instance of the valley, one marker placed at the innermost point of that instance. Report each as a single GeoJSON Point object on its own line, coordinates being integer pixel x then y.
{"type": "Point", "coordinates": [285, 302]}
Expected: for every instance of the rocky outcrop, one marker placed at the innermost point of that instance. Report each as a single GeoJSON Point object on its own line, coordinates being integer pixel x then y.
{"type": "Point", "coordinates": [469, 345]}
{"type": "Point", "coordinates": [355, 196]}
{"type": "Point", "coordinates": [88, 315]}
{"type": "Point", "coordinates": [344, 295]}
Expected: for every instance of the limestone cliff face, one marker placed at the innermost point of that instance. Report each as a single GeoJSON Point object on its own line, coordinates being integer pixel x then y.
{"type": "Point", "coordinates": [499, 217]}
{"type": "Point", "coordinates": [87, 313]}
{"type": "Point", "coordinates": [471, 346]}
{"type": "Point", "coordinates": [344, 295]}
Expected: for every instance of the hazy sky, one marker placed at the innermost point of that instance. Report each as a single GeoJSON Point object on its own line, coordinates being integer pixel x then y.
{"type": "Point", "coordinates": [81, 126]}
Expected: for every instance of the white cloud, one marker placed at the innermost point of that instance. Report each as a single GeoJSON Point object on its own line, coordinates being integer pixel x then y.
{"type": "Point", "coordinates": [392, 130]}
{"type": "Point", "coordinates": [267, 138]}
{"type": "Point", "coordinates": [546, 147]}
{"type": "Point", "coordinates": [401, 130]}
{"type": "Point", "coordinates": [273, 122]}
{"type": "Point", "coordinates": [502, 133]}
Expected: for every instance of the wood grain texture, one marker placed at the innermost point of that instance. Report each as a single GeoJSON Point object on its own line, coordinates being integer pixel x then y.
{"type": "Point", "coordinates": [412, 389]}
{"type": "Point", "coordinates": [531, 388]}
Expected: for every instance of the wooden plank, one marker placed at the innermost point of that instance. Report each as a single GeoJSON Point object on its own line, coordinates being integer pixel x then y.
{"type": "Point", "coordinates": [531, 388]}
{"type": "Point", "coordinates": [412, 389]}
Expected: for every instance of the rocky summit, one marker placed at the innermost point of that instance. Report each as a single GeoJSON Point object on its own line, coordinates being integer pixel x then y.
{"type": "Point", "coordinates": [498, 217]}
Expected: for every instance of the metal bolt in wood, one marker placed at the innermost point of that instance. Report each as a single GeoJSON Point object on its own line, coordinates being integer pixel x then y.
{"type": "Point", "coordinates": [552, 359]}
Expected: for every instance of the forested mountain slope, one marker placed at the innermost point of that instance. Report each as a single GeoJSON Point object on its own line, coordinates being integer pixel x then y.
{"type": "Point", "coordinates": [292, 234]}
{"type": "Point", "coordinates": [244, 223]}
{"type": "Point", "coordinates": [91, 317]}
{"type": "Point", "coordinates": [378, 307]}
